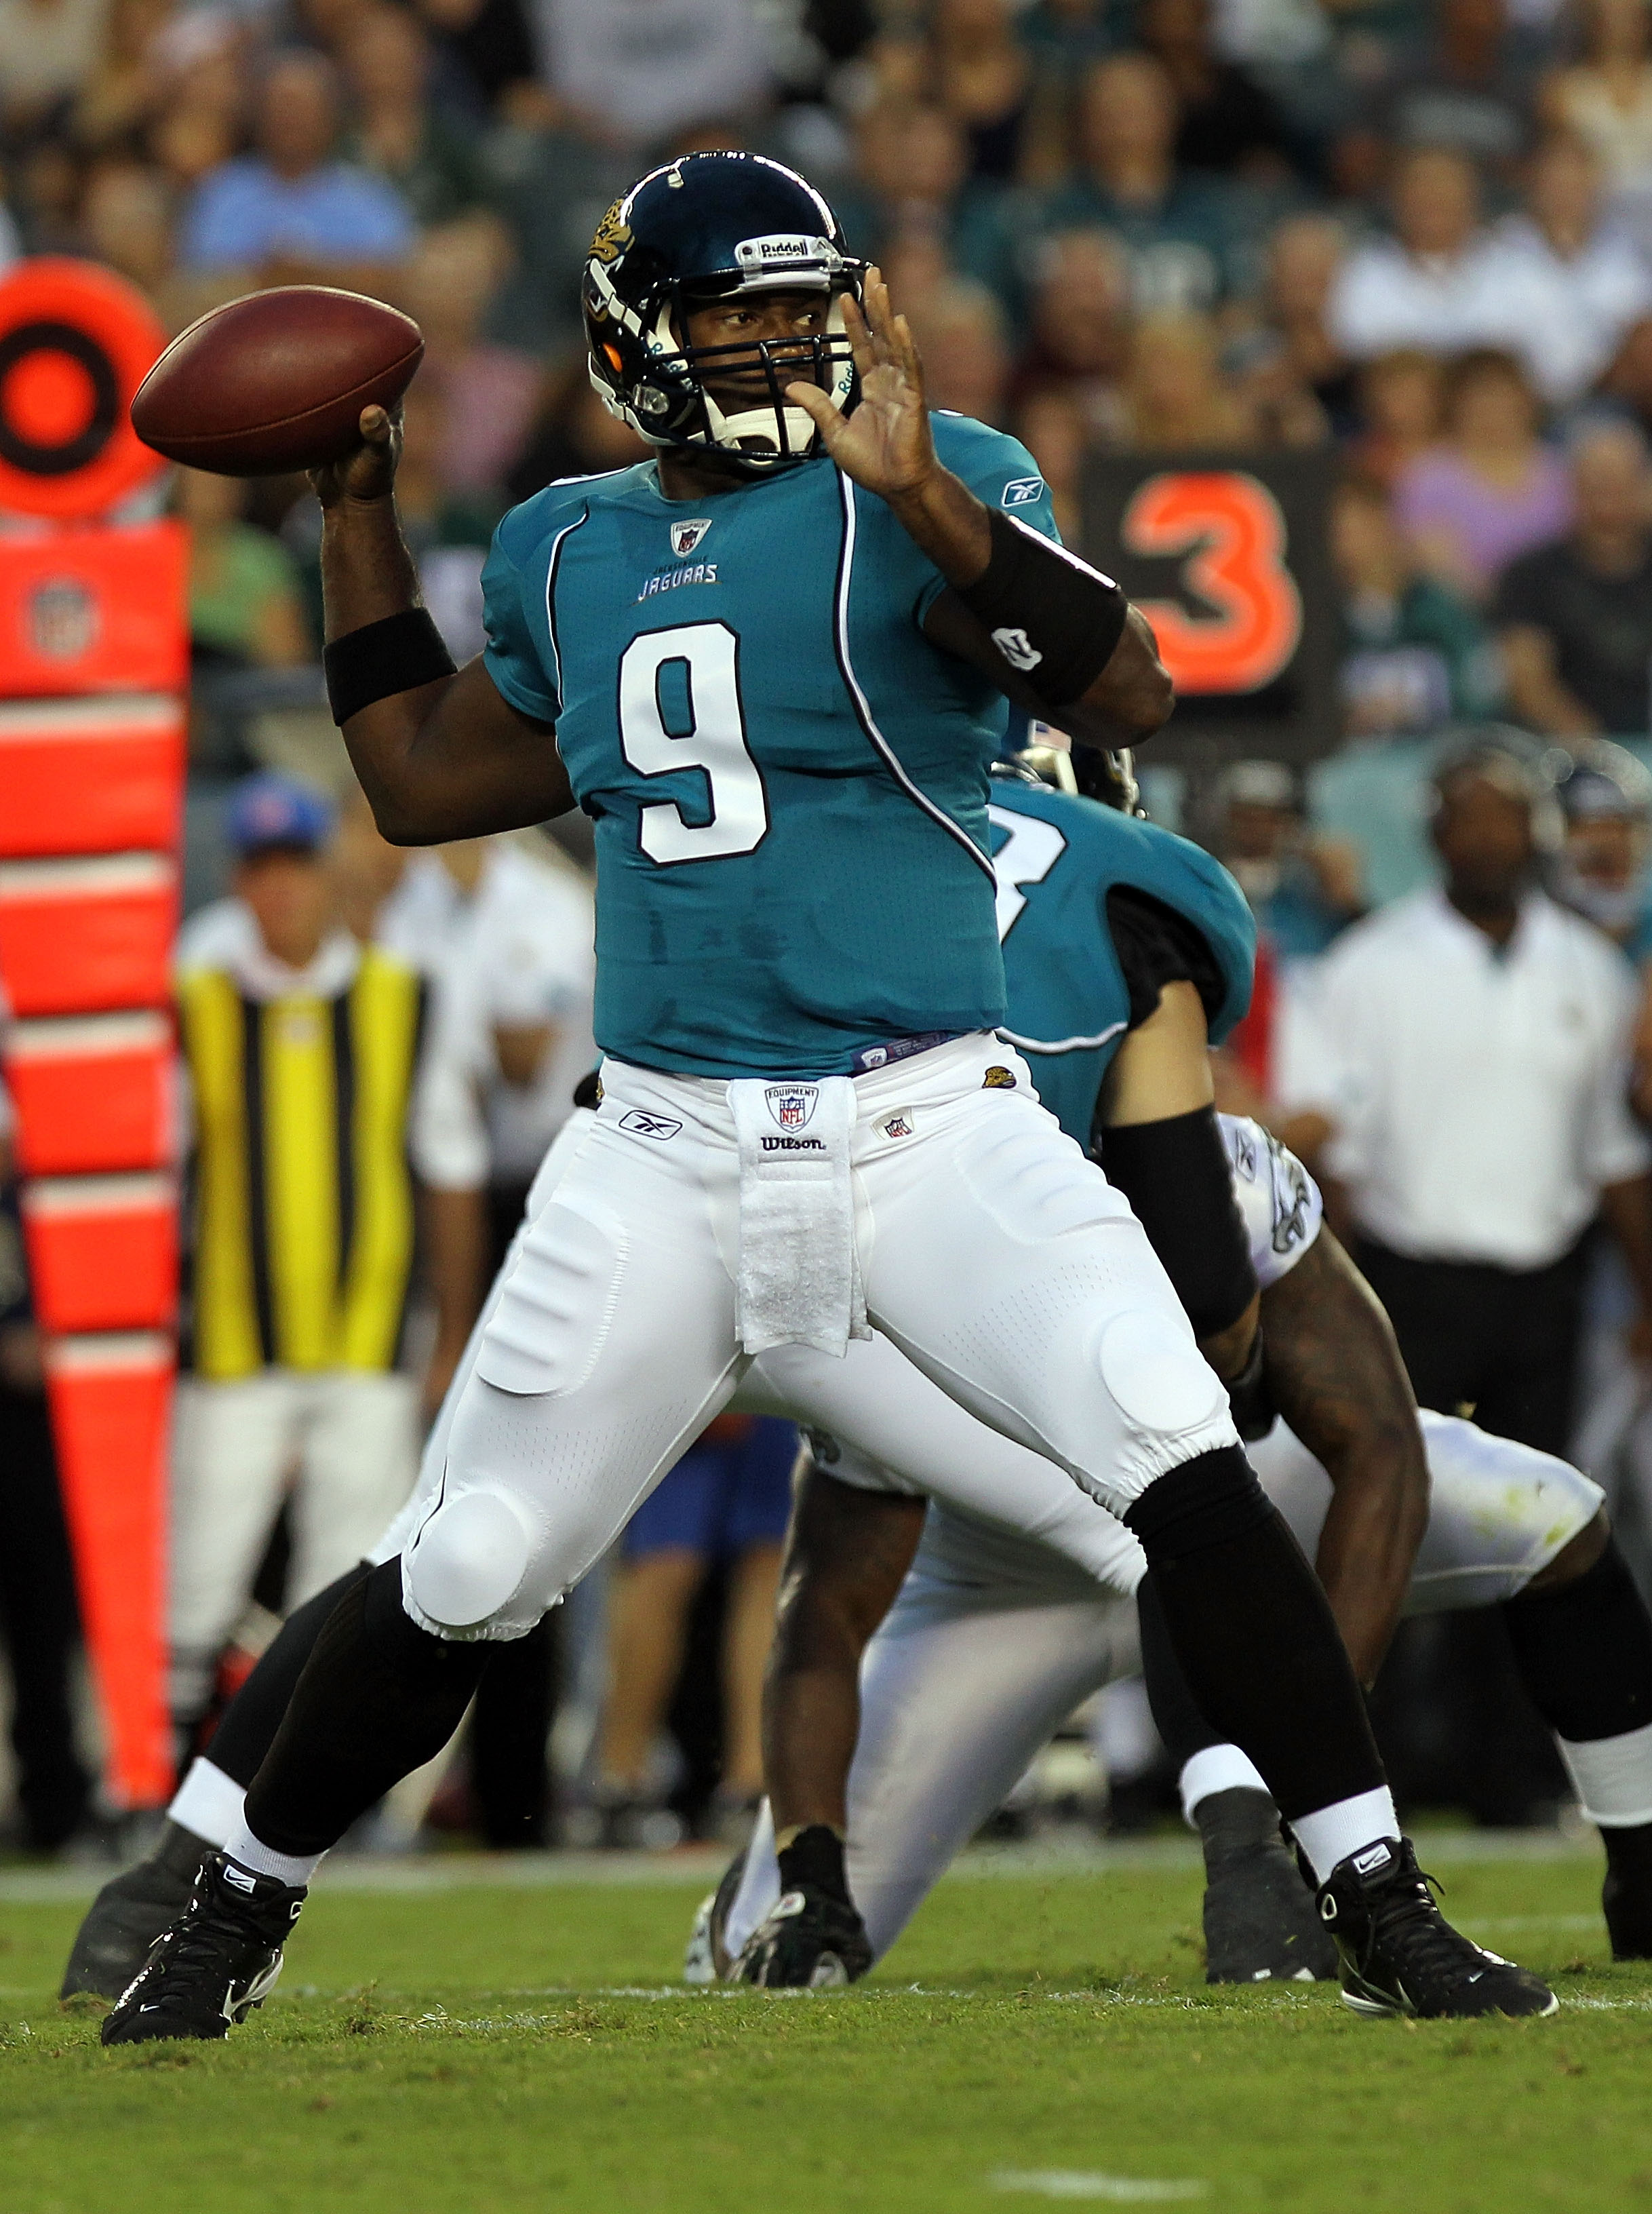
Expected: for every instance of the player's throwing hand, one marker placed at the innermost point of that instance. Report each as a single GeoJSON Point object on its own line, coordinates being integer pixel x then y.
{"type": "Point", "coordinates": [369, 472]}
{"type": "Point", "coordinates": [884, 445]}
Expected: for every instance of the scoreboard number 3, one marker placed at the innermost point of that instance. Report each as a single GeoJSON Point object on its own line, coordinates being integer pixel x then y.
{"type": "Point", "coordinates": [1230, 533]}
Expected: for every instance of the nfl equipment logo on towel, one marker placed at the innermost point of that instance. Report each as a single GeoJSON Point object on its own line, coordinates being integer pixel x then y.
{"type": "Point", "coordinates": [792, 1104]}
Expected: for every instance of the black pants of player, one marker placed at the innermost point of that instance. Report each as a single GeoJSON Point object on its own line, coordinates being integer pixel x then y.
{"type": "Point", "coordinates": [1502, 1344]}
{"type": "Point", "coordinates": [39, 1622]}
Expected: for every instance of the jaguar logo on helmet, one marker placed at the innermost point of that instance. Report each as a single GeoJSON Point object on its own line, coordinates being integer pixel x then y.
{"type": "Point", "coordinates": [612, 234]}
{"type": "Point", "coordinates": [706, 228]}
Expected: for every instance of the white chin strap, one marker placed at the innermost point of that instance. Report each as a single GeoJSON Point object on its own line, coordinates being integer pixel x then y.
{"type": "Point", "coordinates": [750, 434]}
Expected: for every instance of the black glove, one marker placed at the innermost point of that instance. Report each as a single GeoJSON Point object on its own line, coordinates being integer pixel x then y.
{"type": "Point", "coordinates": [813, 1939]}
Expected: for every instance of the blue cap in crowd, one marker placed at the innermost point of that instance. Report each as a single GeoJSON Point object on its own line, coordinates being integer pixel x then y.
{"type": "Point", "coordinates": [273, 810]}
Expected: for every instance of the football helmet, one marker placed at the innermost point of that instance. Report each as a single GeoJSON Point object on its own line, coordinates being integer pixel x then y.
{"type": "Point", "coordinates": [711, 226]}
{"type": "Point", "coordinates": [1108, 776]}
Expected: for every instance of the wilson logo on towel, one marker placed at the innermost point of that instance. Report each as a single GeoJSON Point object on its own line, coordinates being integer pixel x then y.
{"type": "Point", "coordinates": [792, 1105]}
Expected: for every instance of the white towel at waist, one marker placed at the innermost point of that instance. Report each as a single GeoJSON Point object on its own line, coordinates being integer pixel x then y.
{"type": "Point", "coordinates": [800, 1280]}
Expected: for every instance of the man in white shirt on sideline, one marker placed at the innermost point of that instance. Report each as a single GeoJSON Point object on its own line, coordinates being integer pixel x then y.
{"type": "Point", "coordinates": [1465, 1054]}
{"type": "Point", "coordinates": [1436, 283]}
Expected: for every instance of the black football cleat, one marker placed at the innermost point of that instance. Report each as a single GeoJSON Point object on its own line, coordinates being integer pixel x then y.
{"type": "Point", "coordinates": [217, 1962]}
{"type": "Point", "coordinates": [810, 1941]}
{"type": "Point", "coordinates": [706, 1960]}
{"type": "Point", "coordinates": [129, 1914]}
{"type": "Point", "coordinates": [1260, 1922]}
{"type": "Point", "coordinates": [1400, 1955]}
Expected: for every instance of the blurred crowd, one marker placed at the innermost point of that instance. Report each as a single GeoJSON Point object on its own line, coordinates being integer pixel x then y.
{"type": "Point", "coordinates": [1417, 234]}
{"type": "Point", "coordinates": [1412, 236]}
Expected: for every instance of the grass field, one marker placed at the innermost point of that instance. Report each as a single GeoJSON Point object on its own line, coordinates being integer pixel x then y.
{"type": "Point", "coordinates": [1042, 2032]}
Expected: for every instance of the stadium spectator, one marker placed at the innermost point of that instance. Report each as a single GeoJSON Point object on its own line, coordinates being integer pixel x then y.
{"type": "Point", "coordinates": [1294, 374]}
{"type": "Point", "coordinates": [245, 608]}
{"type": "Point", "coordinates": [1303, 887]}
{"type": "Point", "coordinates": [488, 391]}
{"type": "Point", "coordinates": [1416, 655]}
{"type": "Point", "coordinates": [1466, 1054]}
{"type": "Point", "coordinates": [39, 1622]}
{"type": "Point", "coordinates": [1179, 228]}
{"type": "Point", "coordinates": [1579, 282]}
{"type": "Point", "coordinates": [117, 99]}
{"type": "Point", "coordinates": [127, 221]}
{"type": "Point", "coordinates": [293, 211]}
{"type": "Point", "coordinates": [1467, 85]}
{"type": "Point", "coordinates": [50, 50]}
{"type": "Point", "coordinates": [982, 74]}
{"type": "Point", "coordinates": [1079, 323]}
{"type": "Point", "coordinates": [1228, 122]}
{"type": "Point", "coordinates": [1627, 383]}
{"type": "Point", "coordinates": [1605, 98]}
{"type": "Point", "coordinates": [640, 70]}
{"type": "Point", "coordinates": [1490, 489]}
{"type": "Point", "coordinates": [303, 1238]}
{"type": "Point", "coordinates": [914, 202]}
{"type": "Point", "coordinates": [1434, 284]}
{"type": "Point", "coordinates": [1399, 398]}
{"type": "Point", "coordinates": [725, 1503]}
{"type": "Point", "coordinates": [1574, 616]}
{"type": "Point", "coordinates": [1602, 870]}
{"type": "Point", "coordinates": [572, 434]}
{"type": "Point", "coordinates": [1176, 400]}
{"type": "Point", "coordinates": [398, 134]}
{"type": "Point", "coordinates": [484, 60]}
{"type": "Point", "coordinates": [959, 328]}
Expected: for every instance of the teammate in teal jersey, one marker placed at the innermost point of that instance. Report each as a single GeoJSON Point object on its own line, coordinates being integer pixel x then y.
{"type": "Point", "coordinates": [1077, 880]}
{"type": "Point", "coordinates": [807, 1127]}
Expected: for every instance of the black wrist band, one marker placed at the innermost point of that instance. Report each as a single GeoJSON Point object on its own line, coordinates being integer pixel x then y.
{"type": "Point", "coordinates": [1055, 619]}
{"type": "Point", "coordinates": [396, 655]}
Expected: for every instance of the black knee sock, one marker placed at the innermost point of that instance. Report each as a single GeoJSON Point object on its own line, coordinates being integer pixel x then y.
{"type": "Point", "coordinates": [1253, 1631]}
{"type": "Point", "coordinates": [1176, 1715]}
{"type": "Point", "coordinates": [377, 1698]}
{"type": "Point", "coordinates": [253, 1716]}
{"type": "Point", "coordinates": [1584, 1651]}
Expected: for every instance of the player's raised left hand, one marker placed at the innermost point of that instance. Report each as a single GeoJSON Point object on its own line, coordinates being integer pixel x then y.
{"type": "Point", "coordinates": [884, 445]}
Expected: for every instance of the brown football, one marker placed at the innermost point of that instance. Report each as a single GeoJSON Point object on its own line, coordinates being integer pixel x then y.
{"type": "Point", "coordinates": [276, 382]}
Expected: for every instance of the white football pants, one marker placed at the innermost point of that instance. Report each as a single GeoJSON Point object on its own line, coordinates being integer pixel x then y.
{"type": "Point", "coordinates": [994, 1256]}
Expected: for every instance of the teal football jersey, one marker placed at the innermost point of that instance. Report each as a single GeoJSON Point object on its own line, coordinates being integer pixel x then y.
{"type": "Point", "coordinates": [788, 782]}
{"type": "Point", "coordinates": [1057, 857]}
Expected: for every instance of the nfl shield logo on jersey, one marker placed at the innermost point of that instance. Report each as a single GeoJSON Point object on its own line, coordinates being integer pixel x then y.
{"type": "Point", "coordinates": [792, 1104]}
{"type": "Point", "coordinates": [686, 536]}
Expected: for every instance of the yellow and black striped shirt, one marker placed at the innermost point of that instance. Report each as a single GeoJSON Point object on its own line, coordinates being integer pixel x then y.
{"type": "Point", "coordinates": [303, 1212]}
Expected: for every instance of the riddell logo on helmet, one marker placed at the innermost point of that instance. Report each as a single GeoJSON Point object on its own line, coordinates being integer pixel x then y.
{"type": "Point", "coordinates": [782, 247]}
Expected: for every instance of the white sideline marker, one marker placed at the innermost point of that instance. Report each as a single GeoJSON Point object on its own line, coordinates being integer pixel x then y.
{"type": "Point", "coordinates": [1072, 2183]}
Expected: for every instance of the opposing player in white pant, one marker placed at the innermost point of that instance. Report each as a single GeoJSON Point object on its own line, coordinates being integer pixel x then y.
{"type": "Point", "coordinates": [994, 1640]}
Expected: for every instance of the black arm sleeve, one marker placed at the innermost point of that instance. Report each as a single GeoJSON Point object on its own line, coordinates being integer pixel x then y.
{"type": "Point", "coordinates": [1175, 1173]}
{"type": "Point", "coordinates": [1176, 1176]}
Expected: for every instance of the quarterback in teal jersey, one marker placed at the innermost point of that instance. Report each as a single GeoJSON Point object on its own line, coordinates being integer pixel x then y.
{"type": "Point", "coordinates": [808, 1127]}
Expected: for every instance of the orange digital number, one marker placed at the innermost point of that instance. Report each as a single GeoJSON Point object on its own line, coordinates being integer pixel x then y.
{"type": "Point", "coordinates": [1230, 529]}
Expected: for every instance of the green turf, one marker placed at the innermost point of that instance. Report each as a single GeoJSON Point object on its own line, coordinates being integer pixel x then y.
{"type": "Point", "coordinates": [482, 2049]}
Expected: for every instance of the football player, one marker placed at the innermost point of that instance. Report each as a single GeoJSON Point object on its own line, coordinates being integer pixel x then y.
{"type": "Point", "coordinates": [772, 665]}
